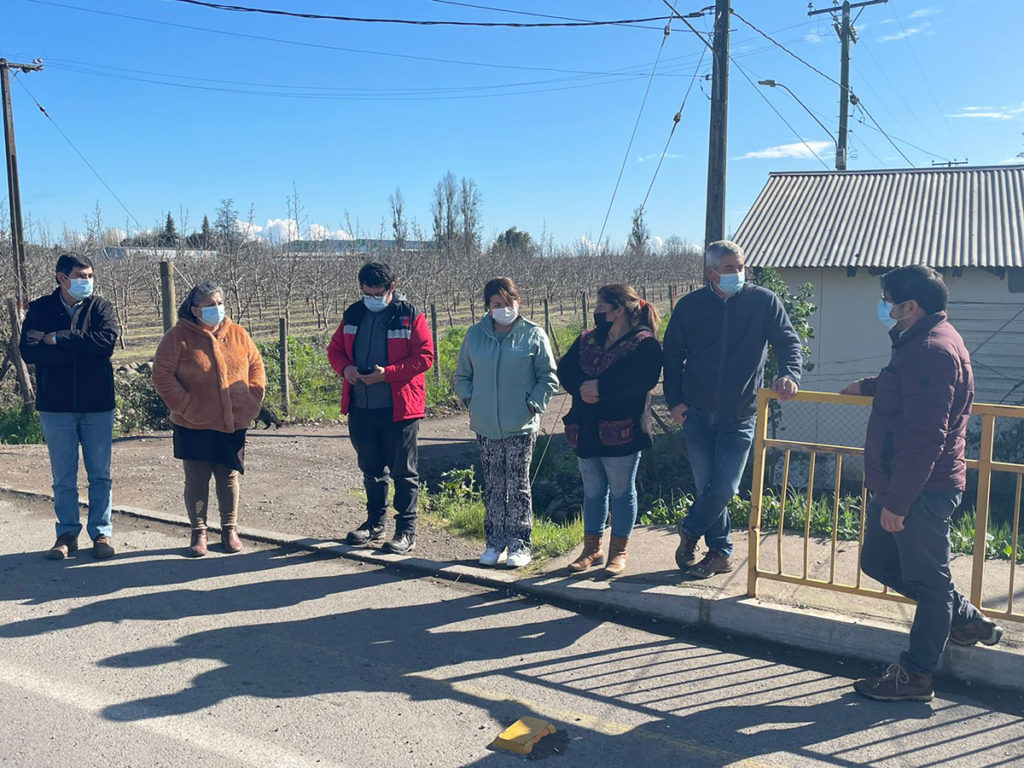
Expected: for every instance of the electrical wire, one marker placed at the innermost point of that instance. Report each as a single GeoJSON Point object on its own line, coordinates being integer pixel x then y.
{"type": "Point", "coordinates": [416, 22]}
{"type": "Point", "coordinates": [632, 136]}
{"type": "Point", "coordinates": [909, 144]}
{"type": "Point", "coordinates": [522, 13]}
{"type": "Point", "coordinates": [79, 153]}
{"type": "Point", "coordinates": [784, 120]}
{"type": "Point", "coordinates": [304, 44]}
{"type": "Point", "coordinates": [864, 109]}
{"type": "Point", "coordinates": [675, 124]}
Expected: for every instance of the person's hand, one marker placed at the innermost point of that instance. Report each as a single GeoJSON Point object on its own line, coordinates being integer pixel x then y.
{"type": "Point", "coordinates": [891, 522]}
{"type": "Point", "coordinates": [852, 388]}
{"type": "Point", "coordinates": [50, 338]}
{"type": "Point", "coordinates": [372, 378]}
{"type": "Point", "coordinates": [785, 388]}
{"type": "Point", "coordinates": [351, 374]}
{"type": "Point", "coordinates": [588, 391]}
{"type": "Point", "coordinates": [679, 413]}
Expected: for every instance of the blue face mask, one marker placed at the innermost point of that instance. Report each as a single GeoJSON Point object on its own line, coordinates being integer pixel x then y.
{"type": "Point", "coordinates": [375, 303]}
{"type": "Point", "coordinates": [80, 288]}
{"type": "Point", "coordinates": [213, 315]}
{"type": "Point", "coordinates": [883, 310]}
{"type": "Point", "coordinates": [730, 284]}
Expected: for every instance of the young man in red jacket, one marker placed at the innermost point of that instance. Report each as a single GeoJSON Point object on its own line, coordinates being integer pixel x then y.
{"type": "Point", "coordinates": [916, 473]}
{"type": "Point", "coordinates": [382, 349]}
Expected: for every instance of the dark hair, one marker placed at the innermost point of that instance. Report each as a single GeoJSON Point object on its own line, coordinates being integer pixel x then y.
{"type": "Point", "coordinates": [199, 292]}
{"type": "Point", "coordinates": [374, 273]}
{"type": "Point", "coordinates": [501, 286]}
{"type": "Point", "coordinates": [68, 261]}
{"type": "Point", "coordinates": [918, 283]}
{"type": "Point", "coordinates": [638, 310]}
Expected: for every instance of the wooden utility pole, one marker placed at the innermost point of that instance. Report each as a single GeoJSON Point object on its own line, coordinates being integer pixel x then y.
{"type": "Point", "coordinates": [846, 34]}
{"type": "Point", "coordinates": [714, 222]}
{"type": "Point", "coordinates": [285, 381]}
{"type": "Point", "coordinates": [13, 189]}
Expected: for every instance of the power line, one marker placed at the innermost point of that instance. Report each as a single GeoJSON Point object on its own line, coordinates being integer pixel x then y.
{"type": "Point", "coordinates": [632, 136]}
{"type": "Point", "coordinates": [784, 120]}
{"type": "Point", "coordinates": [904, 141]}
{"type": "Point", "coordinates": [786, 50]}
{"type": "Point", "coordinates": [888, 138]}
{"type": "Point", "coordinates": [521, 13]}
{"type": "Point", "coordinates": [416, 22]}
{"type": "Point", "coordinates": [321, 46]}
{"type": "Point", "coordinates": [675, 124]}
{"type": "Point", "coordinates": [79, 153]}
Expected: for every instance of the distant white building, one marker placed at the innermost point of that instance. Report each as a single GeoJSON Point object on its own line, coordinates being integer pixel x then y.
{"type": "Point", "coordinates": [841, 230]}
{"type": "Point", "coordinates": [113, 252]}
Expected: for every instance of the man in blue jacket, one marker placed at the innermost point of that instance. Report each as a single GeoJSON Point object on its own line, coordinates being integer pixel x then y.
{"type": "Point", "coordinates": [69, 336]}
{"type": "Point", "coordinates": [715, 348]}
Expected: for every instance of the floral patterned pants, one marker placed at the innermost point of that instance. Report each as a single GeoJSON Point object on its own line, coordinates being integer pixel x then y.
{"type": "Point", "coordinates": [508, 505]}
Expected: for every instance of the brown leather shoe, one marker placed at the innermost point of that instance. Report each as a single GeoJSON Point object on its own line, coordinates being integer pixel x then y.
{"type": "Point", "coordinates": [713, 562]}
{"type": "Point", "coordinates": [896, 684]}
{"type": "Point", "coordinates": [62, 547]}
{"type": "Point", "coordinates": [686, 552]}
{"type": "Point", "coordinates": [102, 548]}
{"type": "Point", "coordinates": [198, 547]}
{"type": "Point", "coordinates": [229, 539]}
{"type": "Point", "coordinates": [617, 555]}
{"type": "Point", "coordinates": [980, 630]}
{"type": "Point", "coordinates": [591, 555]}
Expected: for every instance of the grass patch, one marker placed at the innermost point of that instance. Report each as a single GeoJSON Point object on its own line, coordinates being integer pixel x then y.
{"type": "Point", "coordinates": [459, 507]}
{"type": "Point", "coordinates": [20, 425]}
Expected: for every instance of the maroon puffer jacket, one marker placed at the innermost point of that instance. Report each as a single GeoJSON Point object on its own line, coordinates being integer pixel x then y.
{"type": "Point", "coordinates": [923, 397]}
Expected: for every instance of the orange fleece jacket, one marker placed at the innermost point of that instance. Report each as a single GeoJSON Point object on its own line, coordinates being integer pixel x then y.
{"type": "Point", "coordinates": [209, 380]}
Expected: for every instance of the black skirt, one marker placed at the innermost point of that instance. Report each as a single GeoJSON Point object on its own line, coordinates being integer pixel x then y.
{"type": "Point", "coordinates": [226, 448]}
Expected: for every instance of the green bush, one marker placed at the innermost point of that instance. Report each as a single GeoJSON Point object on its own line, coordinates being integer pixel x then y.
{"type": "Point", "coordinates": [20, 425]}
{"type": "Point", "coordinates": [139, 407]}
{"type": "Point", "coordinates": [441, 384]}
{"type": "Point", "coordinates": [315, 387]}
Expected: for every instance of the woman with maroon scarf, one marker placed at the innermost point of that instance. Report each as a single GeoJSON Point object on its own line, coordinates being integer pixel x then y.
{"type": "Point", "coordinates": [610, 372]}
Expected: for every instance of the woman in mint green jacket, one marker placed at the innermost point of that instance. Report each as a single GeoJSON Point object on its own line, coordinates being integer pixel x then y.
{"type": "Point", "coordinates": [506, 375]}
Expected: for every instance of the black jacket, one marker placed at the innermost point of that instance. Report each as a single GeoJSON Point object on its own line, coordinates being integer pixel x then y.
{"type": "Point", "coordinates": [618, 423]}
{"type": "Point", "coordinates": [74, 375]}
{"type": "Point", "coordinates": [715, 349]}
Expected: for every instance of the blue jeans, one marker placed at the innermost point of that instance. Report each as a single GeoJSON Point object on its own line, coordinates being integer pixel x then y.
{"type": "Point", "coordinates": [64, 432]}
{"type": "Point", "coordinates": [614, 476]}
{"type": "Point", "coordinates": [915, 563]}
{"type": "Point", "coordinates": [718, 450]}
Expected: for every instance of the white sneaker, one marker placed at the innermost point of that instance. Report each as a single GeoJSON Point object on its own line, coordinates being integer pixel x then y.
{"type": "Point", "coordinates": [492, 556]}
{"type": "Point", "coordinates": [519, 558]}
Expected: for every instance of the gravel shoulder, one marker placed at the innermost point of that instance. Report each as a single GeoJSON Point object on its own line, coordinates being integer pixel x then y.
{"type": "Point", "coordinates": [300, 479]}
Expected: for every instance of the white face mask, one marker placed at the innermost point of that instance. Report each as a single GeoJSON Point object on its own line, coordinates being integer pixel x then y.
{"type": "Point", "coordinates": [504, 315]}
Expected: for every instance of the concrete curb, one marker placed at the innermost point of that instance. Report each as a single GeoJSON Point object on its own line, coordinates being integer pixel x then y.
{"type": "Point", "coordinates": [809, 629]}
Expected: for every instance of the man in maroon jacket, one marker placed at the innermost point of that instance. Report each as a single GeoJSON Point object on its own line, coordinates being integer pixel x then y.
{"type": "Point", "coordinates": [916, 472]}
{"type": "Point", "coordinates": [382, 349]}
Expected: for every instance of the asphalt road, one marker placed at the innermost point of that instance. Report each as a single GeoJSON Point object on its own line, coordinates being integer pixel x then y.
{"type": "Point", "coordinates": [274, 658]}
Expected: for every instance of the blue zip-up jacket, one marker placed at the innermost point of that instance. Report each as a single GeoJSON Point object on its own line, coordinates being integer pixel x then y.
{"type": "Point", "coordinates": [715, 349]}
{"type": "Point", "coordinates": [505, 382]}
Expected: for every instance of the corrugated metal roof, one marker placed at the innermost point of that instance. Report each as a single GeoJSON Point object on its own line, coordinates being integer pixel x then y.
{"type": "Point", "coordinates": [943, 217]}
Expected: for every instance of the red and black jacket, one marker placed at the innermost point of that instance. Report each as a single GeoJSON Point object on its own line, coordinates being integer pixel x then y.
{"type": "Point", "coordinates": [410, 354]}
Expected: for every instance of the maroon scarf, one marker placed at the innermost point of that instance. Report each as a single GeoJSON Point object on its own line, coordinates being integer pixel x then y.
{"type": "Point", "coordinates": [595, 359]}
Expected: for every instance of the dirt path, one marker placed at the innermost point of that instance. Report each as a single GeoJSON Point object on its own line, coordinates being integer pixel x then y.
{"type": "Point", "coordinates": [300, 479]}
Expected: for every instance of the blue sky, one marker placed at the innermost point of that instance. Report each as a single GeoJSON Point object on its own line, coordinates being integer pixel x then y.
{"type": "Point", "coordinates": [182, 106]}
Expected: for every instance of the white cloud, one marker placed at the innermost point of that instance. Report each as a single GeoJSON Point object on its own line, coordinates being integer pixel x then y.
{"type": "Point", "coordinates": [921, 13]}
{"type": "Point", "coordinates": [905, 33]}
{"type": "Point", "coordinates": [990, 113]}
{"type": "Point", "coordinates": [655, 156]}
{"type": "Point", "coordinates": [798, 150]}
{"type": "Point", "coordinates": [813, 38]}
{"type": "Point", "coordinates": [320, 232]}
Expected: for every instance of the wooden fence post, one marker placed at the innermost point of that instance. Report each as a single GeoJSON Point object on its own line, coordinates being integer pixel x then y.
{"type": "Point", "coordinates": [437, 352]}
{"type": "Point", "coordinates": [586, 311]}
{"type": "Point", "coordinates": [167, 294]}
{"type": "Point", "coordinates": [286, 388]}
{"type": "Point", "coordinates": [671, 297]}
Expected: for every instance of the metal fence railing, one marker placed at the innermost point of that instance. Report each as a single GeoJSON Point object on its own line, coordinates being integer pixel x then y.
{"type": "Point", "coordinates": [819, 526]}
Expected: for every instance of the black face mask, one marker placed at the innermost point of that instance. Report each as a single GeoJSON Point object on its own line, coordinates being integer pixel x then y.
{"type": "Point", "coordinates": [601, 322]}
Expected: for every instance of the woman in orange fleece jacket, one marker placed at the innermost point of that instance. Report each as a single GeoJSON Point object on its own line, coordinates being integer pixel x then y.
{"type": "Point", "coordinates": [210, 374]}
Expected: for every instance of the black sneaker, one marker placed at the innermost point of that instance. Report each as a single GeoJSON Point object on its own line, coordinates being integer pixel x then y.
{"type": "Point", "coordinates": [101, 548]}
{"type": "Point", "coordinates": [367, 533]}
{"type": "Point", "coordinates": [402, 544]}
{"type": "Point", "coordinates": [980, 630]}
{"type": "Point", "coordinates": [62, 547]}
